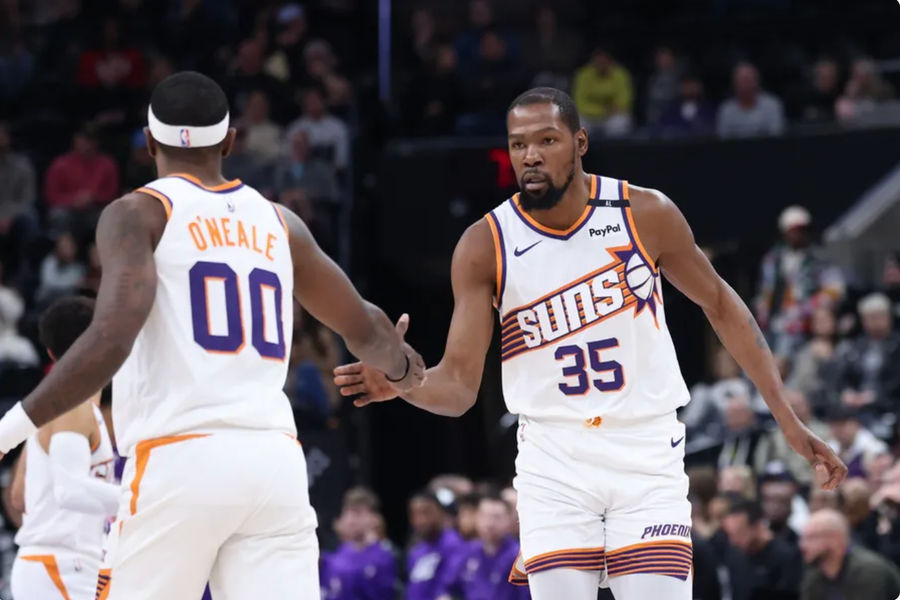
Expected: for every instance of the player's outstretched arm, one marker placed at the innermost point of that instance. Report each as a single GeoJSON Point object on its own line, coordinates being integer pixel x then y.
{"type": "Point", "coordinates": [326, 292]}
{"type": "Point", "coordinates": [667, 236]}
{"type": "Point", "coordinates": [451, 387]}
{"type": "Point", "coordinates": [127, 234]}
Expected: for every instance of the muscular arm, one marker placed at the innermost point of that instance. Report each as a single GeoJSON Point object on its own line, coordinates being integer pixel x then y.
{"type": "Point", "coordinates": [126, 236]}
{"type": "Point", "coordinates": [669, 240]}
{"type": "Point", "coordinates": [326, 292]}
{"type": "Point", "coordinates": [451, 387]}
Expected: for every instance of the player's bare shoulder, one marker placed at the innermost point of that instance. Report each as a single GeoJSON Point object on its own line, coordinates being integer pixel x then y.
{"type": "Point", "coordinates": [658, 221]}
{"type": "Point", "coordinates": [135, 213]}
{"type": "Point", "coordinates": [475, 258]}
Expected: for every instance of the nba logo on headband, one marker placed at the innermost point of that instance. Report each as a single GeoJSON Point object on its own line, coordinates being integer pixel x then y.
{"type": "Point", "coordinates": [185, 135]}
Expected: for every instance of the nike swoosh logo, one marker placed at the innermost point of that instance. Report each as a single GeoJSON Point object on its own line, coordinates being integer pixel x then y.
{"type": "Point", "coordinates": [518, 252]}
{"type": "Point", "coordinates": [676, 442]}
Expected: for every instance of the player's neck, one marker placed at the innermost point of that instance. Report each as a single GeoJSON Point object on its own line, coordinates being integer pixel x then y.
{"type": "Point", "coordinates": [570, 208]}
{"type": "Point", "coordinates": [209, 174]}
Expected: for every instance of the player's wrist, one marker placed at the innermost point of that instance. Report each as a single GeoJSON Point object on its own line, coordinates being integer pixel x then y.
{"type": "Point", "coordinates": [15, 427]}
{"type": "Point", "coordinates": [407, 364]}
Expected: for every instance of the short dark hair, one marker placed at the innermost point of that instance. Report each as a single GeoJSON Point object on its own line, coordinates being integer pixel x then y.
{"type": "Point", "coordinates": [361, 497]}
{"type": "Point", "coordinates": [470, 500]}
{"type": "Point", "coordinates": [548, 95]}
{"type": "Point", "coordinates": [189, 98]}
{"type": "Point", "coordinates": [427, 496]}
{"type": "Point", "coordinates": [63, 322]}
{"type": "Point", "coordinates": [751, 508]}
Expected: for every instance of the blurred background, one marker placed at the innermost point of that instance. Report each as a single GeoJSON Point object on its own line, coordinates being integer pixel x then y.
{"type": "Point", "coordinates": [773, 124]}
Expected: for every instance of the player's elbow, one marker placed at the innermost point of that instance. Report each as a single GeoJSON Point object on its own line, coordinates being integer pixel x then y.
{"type": "Point", "coordinates": [466, 402]}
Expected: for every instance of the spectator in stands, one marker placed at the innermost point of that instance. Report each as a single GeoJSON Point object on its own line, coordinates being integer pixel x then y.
{"type": "Point", "coordinates": [773, 448]}
{"type": "Point", "coordinates": [703, 414]}
{"type": "Point", "coordinates": [423, 38]}
{"type": "Point", "coordinates": [663, 84]}
{"type": "Point", "coordinates": [61, 271]}
{"type": "Point", "coordinates": [742, 432]}
{"type": "Point", "coordinates": [16, 65]}
{"type": "Point", "coordinates": [813, 367]}
{"type": "Point", "coordinates": [738, 480]}
{"type": "Point", "coordinates": [14, 348]}
{"type": "Point", "coordinates": [430, 559]}
{"type": "Point", "coordinates": [865, 91]}
{"type": "Point", "coordinates": [436, 95]}
{"type": "Point", "coordinates": [775, 564]}
{"type": "Point", "coordinates": [291, 27]}
{"type": "Point", "coordinates": [868, 374]}
{"type": "Point", "coordinates": [856, 496]}
{"type": "Point", "coordinates": [493, 79]}
{"type": "Point", "coordinates": [140, 167]}
{"type": "Point", "coordinates": [263, 137]}
{"type": "Point", "coordinates": [689, 114]}
{"type": "Point", "coordinates": [299, 170]}
{"type": "Point", "coordinates": [890, 280]}
{"type": "Point", "coordinates": [18, 223]}
{"type": "Point", "coordinates": [467, 515]}
{"type": "Point", "coordinates": [321, 68]}
{"type": "Point", "coordinates": [796, 278]}
{"type": "Point", "coordinates": [604, 96]}
{"type": "Point", "coordinates": [886, 505]}
{"type": "Point", "coordinates": [247, 76]}
{"type": "Point", "coordinates": [327, 134]}
{"type": "Point", "coordinates": [468, 42]}
{"type": "Point", "coordinates": [551, 51]}
{"type": "Point", "coordinates": [853, 442]}
{"type": "Point", "coordinates": [80, 182]}
{"type": "Point", "coordinates": [751, 112]}
{"type": "Point", "coordinates": [111, 71]}
{"type": "Point", "coordinates": [782, 506]}
{"type": "Point", "coordinates": [480, 571]}
{"type": "Point", "coordinates": [814, 102]}
{"type": "Point", "coordinates": [314, 354]}
{"type": "Point", "coordinates": [363, 566]}
{"type": "Point", "coordinates": [837, 569]}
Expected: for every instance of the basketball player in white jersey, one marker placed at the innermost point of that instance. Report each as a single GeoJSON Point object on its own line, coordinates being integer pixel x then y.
{"type": "Point", "coordinates": [572, 264]}
{"type": "Point", "coordinates": [194, 319]}
{"type": "Point", "coordinates": [68, 474]}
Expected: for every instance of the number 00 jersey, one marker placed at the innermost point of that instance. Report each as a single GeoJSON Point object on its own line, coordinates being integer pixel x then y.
{"type": "Point", "coordinates": [213, 352]}
{"type": "Point", "coordinates": [584, 335]}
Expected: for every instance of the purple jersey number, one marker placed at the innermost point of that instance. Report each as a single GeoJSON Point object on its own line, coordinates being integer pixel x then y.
{"type": "Point", "coordinates": [579, 368]}
{"type": "Point", "coordinates": [232, 341]}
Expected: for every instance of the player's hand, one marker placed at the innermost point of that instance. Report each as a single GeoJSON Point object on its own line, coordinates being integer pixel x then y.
{"type": "Point", "coordinates": [371, 384]}
{"type": "Point", "coordinates": [830, 471]}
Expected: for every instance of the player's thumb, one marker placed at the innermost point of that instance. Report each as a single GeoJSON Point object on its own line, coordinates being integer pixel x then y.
{"type": "Point", "coordinates": [402, 324]}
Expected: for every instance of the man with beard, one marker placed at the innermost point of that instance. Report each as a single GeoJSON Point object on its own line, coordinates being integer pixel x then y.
{"type": "Point", "coordinates": [836, 570]}
{"type": "Point", "coordinates": [572, 265]}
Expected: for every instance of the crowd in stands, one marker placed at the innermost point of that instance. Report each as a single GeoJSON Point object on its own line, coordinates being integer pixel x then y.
{"type": "Point", "coordinates": [456, 78]}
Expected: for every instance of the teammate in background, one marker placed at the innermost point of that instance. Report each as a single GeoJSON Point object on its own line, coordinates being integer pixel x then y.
{"type": "Point", "coordinates": [67, 475]}
{"type": "Point", "coordinates": [479, 570]}
{"type": "Point", "coordinates": [194, 318]}
{"type": "Point", "coordinates": [572, 264]}
{"type": "Point", "coordinates": [364, 566]}
{"type": "Point", "coordinates": [428, 561]}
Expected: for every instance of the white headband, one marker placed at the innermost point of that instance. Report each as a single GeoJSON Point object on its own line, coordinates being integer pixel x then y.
{"type": "Point", "coordinates": [187, 136]}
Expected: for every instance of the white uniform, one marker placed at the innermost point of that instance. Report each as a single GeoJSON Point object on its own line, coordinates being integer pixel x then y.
{"type": "Point", "coordinates": [589, 367]}
{"type": "Point", "coordinates": [59, 549]}
{"type": "Point", "coordinates": [215, 484]}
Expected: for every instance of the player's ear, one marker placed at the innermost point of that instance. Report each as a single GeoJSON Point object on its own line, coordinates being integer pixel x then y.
{"type": "Point", "coordinates": [581, 141]}
{"type": "Point", "coordinates": [228, 142]}
{"type": "Point", "coordinates": [151, 143]}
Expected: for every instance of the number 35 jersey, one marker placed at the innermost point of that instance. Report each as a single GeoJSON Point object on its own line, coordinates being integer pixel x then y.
{"type": "Point", "coordinates": [583, 329]}
{"type": "Point", "coordinates": [213, 352]}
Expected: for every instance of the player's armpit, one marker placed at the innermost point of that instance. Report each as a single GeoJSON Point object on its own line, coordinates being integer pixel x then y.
{"type": "Point", "coordinates": [127, 233]}
{"type": "Point", "coordinates": [327, 293]}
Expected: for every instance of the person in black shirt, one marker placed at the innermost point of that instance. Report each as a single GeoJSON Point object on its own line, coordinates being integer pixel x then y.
{"type": "Point", "coordinates": [777, 490]}
{"type": "Point", "coordinates": [775, 565]}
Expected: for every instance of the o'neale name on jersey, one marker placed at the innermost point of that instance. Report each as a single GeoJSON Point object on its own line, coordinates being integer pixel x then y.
{"type": "Point", "coordinates": [233, 233]}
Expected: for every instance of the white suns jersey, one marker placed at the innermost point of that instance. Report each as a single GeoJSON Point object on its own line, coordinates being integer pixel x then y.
{"type": "Point", "coordinates": [47, 527]}
{"type": "Point", "coordinates": [212, 355]}
{"type": "Point", "coordinates": [584, 335]}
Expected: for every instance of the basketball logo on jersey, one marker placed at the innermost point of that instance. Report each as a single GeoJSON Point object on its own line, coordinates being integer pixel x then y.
{"type": "Point", "coordinates": [625, 282]}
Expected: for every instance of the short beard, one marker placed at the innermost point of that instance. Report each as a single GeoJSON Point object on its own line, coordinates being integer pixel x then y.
{"type": "Point", "coordinates": [549, 198]}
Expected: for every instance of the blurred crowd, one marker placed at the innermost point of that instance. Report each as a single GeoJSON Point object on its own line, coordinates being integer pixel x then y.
{"type": "Point", "coordinates": [457, 73]}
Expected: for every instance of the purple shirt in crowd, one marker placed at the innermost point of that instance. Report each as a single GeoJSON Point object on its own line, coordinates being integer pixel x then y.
{"type": "Point", "coordinates": [478, 576]}
{"type": "Point", "coordinates": [359, 574]}
{"type": "Point", "coordinates": [428, 564]}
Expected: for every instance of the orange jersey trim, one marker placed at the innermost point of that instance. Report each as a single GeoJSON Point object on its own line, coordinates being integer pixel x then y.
{"type": "Point", "coordinates": [498, 256]}
{"type": "Point", "coordinates": [166, 202]}
{"type": "Point", "coordinates": [281, 218]}
{"type": "Point", "coordinates": [637, 238]}
{"type": "Point", "coordinates": [228, 185]}
{"type": "Point", "coordinates": [142, 455]}
{"type": "Point", "coordinates": [49, 562]}
{"type": "Point", "coordinates": [104, 577]}
{"type": "Point", "coordinates": [578, 223]}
